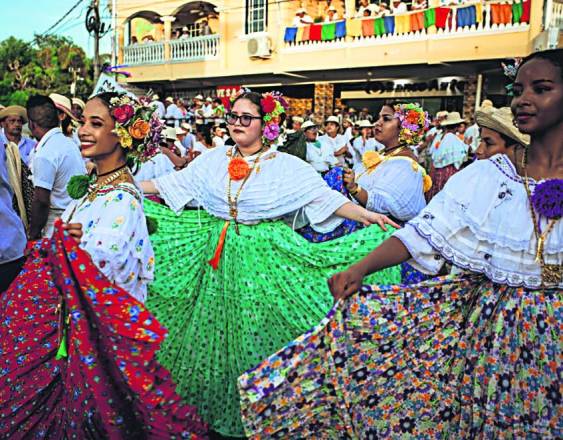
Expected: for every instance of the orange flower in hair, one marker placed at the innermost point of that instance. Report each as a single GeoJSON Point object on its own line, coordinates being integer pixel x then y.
{"type": "Point", "coordinates": [238, 168]}
{"type": "Point", "coordinates": [139, 129]}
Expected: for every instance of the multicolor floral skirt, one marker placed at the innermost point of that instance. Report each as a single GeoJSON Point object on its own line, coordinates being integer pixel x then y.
{"type": "Point", "coordinates": [439, 176]}
{"type": "Point", "coordinates": [335, 179]}
{"type": "Point", "coordinates": [452, 358]}
{"type": "Point", "coordinates": [77, 356]}
{"type": "Point", "coordinates": [270, 286]}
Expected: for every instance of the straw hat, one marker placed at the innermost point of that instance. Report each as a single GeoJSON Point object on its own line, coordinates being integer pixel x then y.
{"type": "Point", "coordinates": [486, 103]}
{"type": "Point", "coordinates": [200, 97]}
{"type": "Point", "coordinates": [180, 131]}
{"type": "Point", "coordinates": [453, 118]}
{"type": "Point", "coordinates": [298, 119]}
{"type": "Point", "coordinates": [333, 119]}
{"type": "Point", "coordinates": [78, 102]}
{"type": "Point", "coordinates": [186, 126]}
{"type": "Point", "coordinates": [63, 104]}
{"type": "Point", "coordinates": [169, 99]}
{"type": "Point", "coordinates": [14, 110]}
{"type": "Point", "coordinates": [442, 114]}
{"type": "Point", "coordinates": [209, 99]}
{"type": "Point", "coordinates": [170, 133]}
{"type": "Point", "coordinates": [308, 124]}
{"type": "Point", "coordinates": [300, 11]}
{"type": "Point", "coordinates": [155, 97]}
{"type": "Point", "coordinates": [500, 120]}
{"type": "Point", "coordinates": [333, 9]}
{"type": "Point", "coordinates": [364, 123]}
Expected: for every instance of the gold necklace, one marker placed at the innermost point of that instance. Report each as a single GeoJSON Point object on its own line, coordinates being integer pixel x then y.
{"type": "Point", "coordinates": [385, 158]}
{"type": "Point", "coordinates": [550, 273]}
{"type": "Point", "coordinates": [233, 202]}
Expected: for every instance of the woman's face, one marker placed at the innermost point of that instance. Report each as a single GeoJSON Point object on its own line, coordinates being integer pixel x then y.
{"type": "Point", "coordinates": [387, 127]}
{"type": "Point", "coordinates": [491, 143]}
{"type": "Point", "coordinates": [96, 135]}
{"type": "Point", "coordinates": [537, 104]}
{"type": "Point", "coordinates": [246, 136]}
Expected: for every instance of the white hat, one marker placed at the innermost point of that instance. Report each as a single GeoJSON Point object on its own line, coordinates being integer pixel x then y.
{"type": "Point", "coordinates": [63, 104]}
{"type": "Point", "coordinates": [200, 97]}
{"type": "Point", "coordinates": [169, 99]}
{"type": "Point", "coordinates": [209, 99]}
{"type": "Point", "coordinates": [170, 133]}
{"type": "Point", "coordinates": [78, 102]}
{"type": "Point", "coordinates": [300, 11]}
{"type": "Point", "coordinates": [155, 97]}
{"type": "Point", "coordinates": [364, 123]}
{"type": "Point", "coordinates": [185, 29]}
{"type": "Point", "coordinates": [186, 126]}
{"type": "Point", "coordinates": [308, 124]}
{"type": "Point", "coordinates": [298, 119]}
{"type": "Point", "coordinates": [442, 114]}
{"type": "Point", "coordinates": [332, 8]}
{"type": "Point", "coordinates": [486, 103]}
{"type": "Point", "coordinates": [180, 131]}
{"type": "Point", "coordinates": [453, 118]}
{"type": "Point", "coordinates": [500, 120]}
{"type": "Point", "coordinates": [332, 119]}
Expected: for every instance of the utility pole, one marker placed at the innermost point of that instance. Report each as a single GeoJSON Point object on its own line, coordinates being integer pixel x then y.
{"type": "Point", "coordinates": [97, 29]}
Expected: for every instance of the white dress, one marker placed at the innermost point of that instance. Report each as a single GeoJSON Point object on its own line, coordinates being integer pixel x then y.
{"type": "Point", "coordinates": [481, 221]}
{"type": "Point", "coordinates": [282, 187]}
{"type": "Point", "coordinates": [116, 237]}
{"type": "Point", "coordinates": [448, 150]}
{"type": "Point", "coordinates": [394, 188]}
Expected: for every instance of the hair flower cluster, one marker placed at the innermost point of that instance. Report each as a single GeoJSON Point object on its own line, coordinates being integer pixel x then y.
{"type": "Point", "coordinates": [414, 122]}
{"type": "Point", "coordinates": [137, 126]}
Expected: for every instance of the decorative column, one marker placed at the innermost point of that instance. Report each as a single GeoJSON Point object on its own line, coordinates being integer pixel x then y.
{"type": "Point", "coordinates": [469, 104]}
{"type": "Point", "coordinates": [167, 20]}
{"type": "Point", "coordinates": [324, 99]}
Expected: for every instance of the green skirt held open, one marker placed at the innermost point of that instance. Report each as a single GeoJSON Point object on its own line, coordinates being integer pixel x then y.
{"type": "Point", "coordinates": [270, 286]}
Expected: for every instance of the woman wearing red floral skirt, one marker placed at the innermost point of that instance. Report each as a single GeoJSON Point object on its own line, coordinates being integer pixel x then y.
{"type": "Point", "coordinates": [77, 348]}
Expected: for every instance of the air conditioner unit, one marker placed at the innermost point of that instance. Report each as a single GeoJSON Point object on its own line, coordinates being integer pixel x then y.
{"type": "Point", "coordinates": [258, 46]}
{"type": "Point", "coordinates": [548, 39]}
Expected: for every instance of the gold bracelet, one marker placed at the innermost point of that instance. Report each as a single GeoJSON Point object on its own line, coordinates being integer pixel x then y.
{"type": "Point", "coordinates": [356, 190]}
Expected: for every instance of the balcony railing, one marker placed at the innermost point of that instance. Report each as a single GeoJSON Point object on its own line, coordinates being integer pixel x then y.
{"type": "Point", "coordinates": [144, 53]}
{"type": "Point", "coordinates": [553, 16]}
{"type": "Point", "coordinates": [195, 49]}
{"type": "Point", "coordinates": [189, 50]}
{"type": "Point", "coordinates": [441, 22]}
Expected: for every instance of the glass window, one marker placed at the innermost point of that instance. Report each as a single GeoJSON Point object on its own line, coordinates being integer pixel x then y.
{"type": "Point", "coordinates": [256, 16]}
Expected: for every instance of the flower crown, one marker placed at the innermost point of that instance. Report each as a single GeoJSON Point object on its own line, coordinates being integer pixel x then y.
{"type": "Point", "coordinates": [137, 125]}
{"type": "Point", "coordinates": [273, 105]}
{"type": "Point", "coordinates": [414, 123]}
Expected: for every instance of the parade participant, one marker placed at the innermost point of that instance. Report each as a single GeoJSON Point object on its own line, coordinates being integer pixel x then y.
{"type": "Point", "coordinates": [448, 153]}
{"type": "Point", "coordinates": [12, 233]}
{"type": "Point", "coordinates": [12, 119]}
{"type": "Point", "coordinates": [78, 351]}
{"type": "Point", "coordinates": [159, 105]}
{"type": "Point", "coordinates": [319, 156]}
{"type": "Point", "coordinates": [334, 140]}
{"type": "Point", "coordinates": [476, 356]}
{"type": "Point", "coordinates": [499, 135]}
{"type": "Point", "coordinates": [78, 108]}
{"type": "Point", "coordinates": [217, 140]}
{"type": "Point", "coordinates": [55, 159]}
{"type": "Point", "coordinates": [364, 142]}
{"type": "Point", "coordinates": [66, 117]}
{"type": "Point", "coordinates": [189, 140]}
{"type": "Point", "coordinates": [235, 282]}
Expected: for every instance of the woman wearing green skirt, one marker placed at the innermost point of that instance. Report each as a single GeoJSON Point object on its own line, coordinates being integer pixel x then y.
{"type": "Point", "coordinates": [233, 281]}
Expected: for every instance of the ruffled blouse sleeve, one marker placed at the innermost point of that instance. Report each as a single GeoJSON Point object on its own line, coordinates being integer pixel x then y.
{"type": "Point", "coordinates": [117, 239]}
{"type": "Point", "coordinates": [481, 222]}
{"type": "Point", "coordinates": [396, 188]}
{"type": "Point", "coordinates": [177, 188]}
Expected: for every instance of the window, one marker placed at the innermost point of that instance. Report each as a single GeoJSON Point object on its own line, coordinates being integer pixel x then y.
{"type": "Point", "coordinates": [256, 16]}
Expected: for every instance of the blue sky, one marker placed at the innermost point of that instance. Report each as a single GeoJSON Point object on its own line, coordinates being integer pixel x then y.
{"type": "Point", "coordinates": [23, 18]}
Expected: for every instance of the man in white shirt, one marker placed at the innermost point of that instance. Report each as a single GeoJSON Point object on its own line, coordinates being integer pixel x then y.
{"type": "Point", "coordinates": [366, 6]}
{"type": "Point", "coordinates": [319, 155]}
{"type": "Point", "coordinates": [13, 119]}
{"type": "Point", "coordinates": [331, 15]}
{"type": "Point", "coordinates": [173, 113]}
{"type": "Point", "coordinates": [335, 141]}
{"type": "Point", "coordinates": [55, 161]}
{"type": "Point", "coordinates": [364, 142]}
{"type": "Point", "coordinates": [302, 18]}
{"type": "Point", "coordinates": [398, 7]}
{"type": "Point", "coordinates": [159, 105]}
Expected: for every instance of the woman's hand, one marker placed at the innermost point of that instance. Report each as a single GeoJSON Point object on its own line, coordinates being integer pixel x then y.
{"type": "Point", "coordinates": [370, 218]}
{"type": "Point", "coordinates": [350, 179]}
{"type": "Point", "coordinates": [344, 284]}
{"type": "Point", "coordinates": [74, 230]}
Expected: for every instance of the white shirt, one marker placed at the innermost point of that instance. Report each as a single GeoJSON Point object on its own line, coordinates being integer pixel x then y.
{"type": "Point", "coordinates": [472, 133]}
{"type": "Point", "coordinates": [335, 143]}
{"type": "Point", "coordinates": [335, 17]}
{"type": "Point", "coordinates": [156, 166]}
{"type": "Point", "coordinates": [359, 147]}
{"type": "Point", "coordinates": [218, 141]}
{"type": "Point", "coordinates": [198, 146]}
{"type": "Point", "coordinates": [55, 161]}
{"type": "Point", "coordinates": [400, 9]}
{"type": "Point", "coordinates": [306, 18]}
{"type": "Point", "coordinates": [320, 156]}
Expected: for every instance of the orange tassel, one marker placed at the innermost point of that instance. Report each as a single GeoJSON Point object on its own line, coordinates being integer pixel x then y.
{"type": "Point", "coordinates": [214, 262]}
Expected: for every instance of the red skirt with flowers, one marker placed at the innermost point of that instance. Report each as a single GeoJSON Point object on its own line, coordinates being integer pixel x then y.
{"type": "Point", "coordinates": [77, 356]}
{"type": "Point", "coordinates": [440, 177]}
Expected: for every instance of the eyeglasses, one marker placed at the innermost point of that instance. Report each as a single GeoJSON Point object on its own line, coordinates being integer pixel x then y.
{"type": "Point", "coordinates": [245, 120]}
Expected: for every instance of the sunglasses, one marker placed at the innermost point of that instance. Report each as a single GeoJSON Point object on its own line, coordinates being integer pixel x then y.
{"type": "Point", "coordinates": [245, 120]}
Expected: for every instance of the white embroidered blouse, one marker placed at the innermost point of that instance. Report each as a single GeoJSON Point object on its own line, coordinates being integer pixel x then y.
{"type": "Point", "coordinates": [481, 221]}
{"type": "Point", "coordinates": [281, 186]}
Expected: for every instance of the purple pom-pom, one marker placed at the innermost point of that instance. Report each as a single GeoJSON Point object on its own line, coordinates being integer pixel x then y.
{"type": "Point", "coordinates": [547, 198]}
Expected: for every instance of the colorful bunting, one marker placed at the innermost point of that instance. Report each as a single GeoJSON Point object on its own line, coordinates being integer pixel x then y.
{"type": "Point", "coordinates": [328, 31]}
{"type": "Point", "coordinates": [402, 24]}
{"type": "Point", "coordinates": [290, 34]}
{"type": "Point", "coordinates": [316, 32]}
{"type": "Point", "coordinates": [379, 26]}
{"type": "Point", "coordinates": [340, 29]}
{"type": "Point", "coordinates": [354, 27]}
{"type": "Point", "coordinates": [368, 27]}
{"type": "Point", "coordinates": [417, 21]}
{"type": "Point", "coordinates": [389, 24]}
{"type": "Point", "coordinates": [442, 15]}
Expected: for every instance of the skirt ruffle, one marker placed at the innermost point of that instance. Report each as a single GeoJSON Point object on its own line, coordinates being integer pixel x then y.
{"type": "Point", "coordinates": [269, 287]}
{"type": "Point", "coordinates": [109, 384]}
{"type": "Point", "coordinates": [448, 358]}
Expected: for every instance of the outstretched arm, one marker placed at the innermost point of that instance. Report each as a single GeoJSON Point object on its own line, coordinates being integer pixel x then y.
{"type": "Point", "coordinates": [352, 211]}
{"type": "Point", "coordinates": [390, 253]}
{"type": "Point", "coordinates": [148, 187]}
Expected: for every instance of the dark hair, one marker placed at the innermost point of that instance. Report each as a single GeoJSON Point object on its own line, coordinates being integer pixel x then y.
{"type": "Point", "coordinates": [255, 98]}
{"type": "Point", "coordinates": [554, 56]}
{"type": "Point", "coordinates": [106, 97]}
{"type": "Point", "coordinates": [508, 141]}
{"type": "Point", "coordinates": [41, 111]}
{"type": "Point", "coordinates": [218, 101]}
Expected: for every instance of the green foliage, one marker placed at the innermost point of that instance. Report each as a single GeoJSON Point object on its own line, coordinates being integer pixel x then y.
{"type": "Point", "coordinates": [46, 65]}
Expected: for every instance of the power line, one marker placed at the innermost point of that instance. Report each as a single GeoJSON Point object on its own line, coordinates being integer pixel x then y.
{"type": "Point", "coordinates": [63, 17]}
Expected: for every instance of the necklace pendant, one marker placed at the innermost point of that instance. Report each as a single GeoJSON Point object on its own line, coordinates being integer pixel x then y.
{"type": "Point", "coordinates": [539, 250]}
{"type": "Point", "coordinates": [233, 212]}
{"type": "Point", "coordinates": [552, 274]}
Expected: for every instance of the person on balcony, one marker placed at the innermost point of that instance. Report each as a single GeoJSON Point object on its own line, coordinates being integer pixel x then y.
{"type": "Point", "coordinates": [335, 141]}
{"type": "Point", "coordinates": [383, 10]}
{"type": "Point", "coordinates": [205, 28]}
{"type": "Point", "coordinates": [331, 15]}
{"type": "Point", "coordinates": [398, 7]}
{"type": "Point", "coordinates": [302, 18]}
{"type": "Point", "coordinates": [185, 33]}
{"type": "Point", "coordinates": [419, 5]}
{"type": "Point", "coordinates": [366, 9]}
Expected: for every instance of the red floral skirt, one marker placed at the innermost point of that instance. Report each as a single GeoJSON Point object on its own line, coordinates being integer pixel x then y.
{"type": "Point", "coordinates": [77, 356]}
{"type": "Point", "coordinates": [439, 178]}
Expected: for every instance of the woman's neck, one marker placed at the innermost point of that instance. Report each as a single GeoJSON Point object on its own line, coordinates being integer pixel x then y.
{"type": "Point", "coordinates": [250, 149]}
{"type": "Point", "coordinates": [545, 155]}
{"type": "Point", "coordinates": [108, 164]}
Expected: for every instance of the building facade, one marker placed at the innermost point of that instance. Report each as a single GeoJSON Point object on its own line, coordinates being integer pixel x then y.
{"type": "Point", "coordinates": [444, 54]}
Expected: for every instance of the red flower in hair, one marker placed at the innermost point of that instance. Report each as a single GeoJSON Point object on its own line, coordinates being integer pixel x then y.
{"type": "Point", "coordinates": [412, 117]}
{"type": "Point", "coordinates": [268, 104]}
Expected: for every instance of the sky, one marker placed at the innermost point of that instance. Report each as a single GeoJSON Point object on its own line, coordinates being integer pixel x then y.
{"type": "Point", "coordinates": [24, 18]}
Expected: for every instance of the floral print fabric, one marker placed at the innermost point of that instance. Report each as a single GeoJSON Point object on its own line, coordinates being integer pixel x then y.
{"type": "Point", "coordinates": [448, 358]}
{"type": "Point", "coordinates": [109, 385]}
